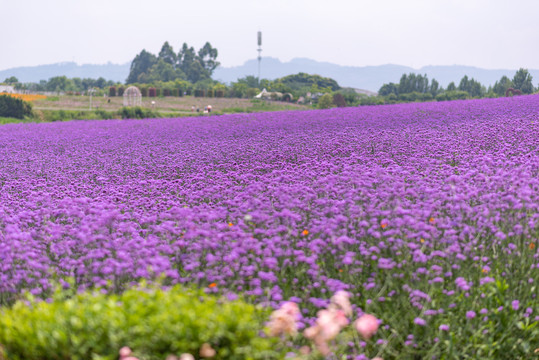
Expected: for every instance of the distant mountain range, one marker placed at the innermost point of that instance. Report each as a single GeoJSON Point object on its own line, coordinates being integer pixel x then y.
{"type": "Point", "coordinates": [361, 77]}
{"type": "Point", "coordinates": [108, 71]}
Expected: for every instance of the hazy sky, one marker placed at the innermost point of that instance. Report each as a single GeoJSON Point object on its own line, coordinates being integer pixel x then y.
{"type": "Point", "coordinates": [484, 33]}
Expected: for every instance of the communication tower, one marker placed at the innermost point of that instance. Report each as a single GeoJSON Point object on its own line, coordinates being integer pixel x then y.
{"type": "Point", "coordinates": [259, 52]}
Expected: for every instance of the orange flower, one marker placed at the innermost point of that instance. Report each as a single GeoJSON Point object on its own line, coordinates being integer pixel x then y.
{"type": "Point", "coordinates": [383, 225]}
{"type": "Point", "coordinates": [230, 224]}
{"type": "Point", "coordinates": [305, 232]}
{"type": "Point", "coordinates": [422, 240]}
{"type": "Point", "coordinates": [212, 285]}
{"type": "Point", "coordinates": [531, 246]}
{"type": "Point", "coordinates": [431, 220]}
{"type": "Point", "coordinates": [26, 97]}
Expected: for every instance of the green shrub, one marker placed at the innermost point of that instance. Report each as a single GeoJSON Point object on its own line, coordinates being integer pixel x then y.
{"type": "Point", "coordinates": [372, 100]}
{"type": "Point", "coordinates": [391, 99]}
{"type": "Point", "coordinates": [153, 322]}
{"type": "Point", "coordinates": [325, 101]}
{"type": "Point", "coordinates": [452, 95]}
{"type": "Point", "coordinates": [14, 108]}
{"type": "Point", "coordinates": [137, 113]}
{"type": "Point", "coordinates": [112, 91]}
{"type": "Point", "coordinates": [65, 115]}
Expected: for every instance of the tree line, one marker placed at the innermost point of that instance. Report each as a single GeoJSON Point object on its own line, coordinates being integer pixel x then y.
{"type": "Point", "coordinates": [414, 87]}
{"type": "Point", "coordinates": [60, 84]}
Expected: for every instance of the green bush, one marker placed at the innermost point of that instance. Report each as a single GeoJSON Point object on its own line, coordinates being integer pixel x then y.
{"type": "Point", "coordinates": [452, 95]}
{"type": "Point", "coordinates": [65, 115]}
{"type": "Point", "coordinates": [153, 322]}
{"type": "Point", "coordinates": [14, 108]}
{"type": "Point", "coordinates": [372, 100]}
{"type": "Point", "coordinates": [325, 101]}
{"type": "Point", "coordinates": [137, 113]}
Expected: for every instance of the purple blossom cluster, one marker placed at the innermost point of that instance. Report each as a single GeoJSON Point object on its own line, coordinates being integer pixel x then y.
{"type": "Point", "coordinates": [383, 202]}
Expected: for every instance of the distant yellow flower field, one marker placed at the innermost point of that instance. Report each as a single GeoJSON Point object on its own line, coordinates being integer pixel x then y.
{"type": "Point", "coordinates": [26, 97]}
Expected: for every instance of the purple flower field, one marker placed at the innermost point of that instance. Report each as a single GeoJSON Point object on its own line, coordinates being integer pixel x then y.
{"type": "Point", "coordinates": [421, 211]}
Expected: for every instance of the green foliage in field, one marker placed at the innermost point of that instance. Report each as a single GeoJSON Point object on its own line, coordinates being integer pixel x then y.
{"type": "Point", "coordinates": [14, 108]}
{"type": "Point", "coordinates": [137, 113]}
{"type": "Point", "coordinates": [10, 120]}
{"type": "Point", "coordinates": [414, 87]}
{"type": "Point", "coordinates": [153, 322]}
{"type": "Point", "coordinates": [325, 101]}
{"type": "Point", "coordinates": [302, 80]}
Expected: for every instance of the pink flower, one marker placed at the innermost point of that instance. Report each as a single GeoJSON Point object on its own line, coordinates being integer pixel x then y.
{"type": "Point", "coordinates": [283, 320]}
{"type": "Point", "coordinates": [328, 325]}
{"type": "Point", "coordinates": [206, 351]}
{"type": "Point", "coordinates": [330, 322]}
{"type": "Point", "coordinates": [340, 301]}
{"type": "Point", "coordinates": [125, 354]}
{"type": "Point", "coordinates": [366, 326]}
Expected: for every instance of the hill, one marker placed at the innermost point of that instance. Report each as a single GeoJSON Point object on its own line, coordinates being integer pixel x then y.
{"type": "Point", "coordinates": [361, 77]}
{"type": "Point", "coordinates": [109, 71]}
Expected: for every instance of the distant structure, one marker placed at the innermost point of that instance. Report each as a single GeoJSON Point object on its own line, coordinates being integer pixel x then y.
{"type": "Point", "coordinates": [132, 96]}
{"type": "Point", "coordinates": [7, 89]}
{"type": "Point", "coordinates": [259, 52]}
{"type": "Point", "coordinates": [512, 92]}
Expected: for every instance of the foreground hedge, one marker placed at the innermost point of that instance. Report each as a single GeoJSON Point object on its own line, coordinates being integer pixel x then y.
{"type": "Point", "coordinates": [154, 323]}
{"type": "Point", "coordinates": [14, 108]}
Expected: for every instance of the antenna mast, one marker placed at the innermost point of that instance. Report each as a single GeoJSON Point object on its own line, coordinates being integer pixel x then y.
{"type": "Point", "coordinates": [259, 53]}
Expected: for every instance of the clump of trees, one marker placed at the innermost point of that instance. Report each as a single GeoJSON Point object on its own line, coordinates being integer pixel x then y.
{"type": "Point", "coordinates": [14, 108]}
{"type": "Point", "coordinates": [168, 66]}
{"type": "Point", "coordinates": [413, 87]}
{"type": "Point", "coordinates": [62, 84]}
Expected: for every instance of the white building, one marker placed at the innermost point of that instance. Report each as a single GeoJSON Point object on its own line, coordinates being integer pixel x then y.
{"type": "Point", "coordinates": [7, 89]}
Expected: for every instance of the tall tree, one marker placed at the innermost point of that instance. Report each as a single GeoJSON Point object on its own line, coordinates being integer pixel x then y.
{"type": "Point", "coordinates": [11, 80]}
{"type": "Point", "coordinates": [207, 56]}
{"type": "Point", "coordinates": [167, 54]}
{"type": "Point", "coordinates": [434, 87]}
{"type": "Point", "coordinates": [451, 86]}
{"type": "Point", "coordinates": [501, 86]}
{"type": "Point", "coordinates": [189, 63]}
{"type": "Point", "coordinates": [464, 83]}
{"type": "Point", "coordinates": [164, 71]}
{"type": "Point", "coordinates": [523, 81]}
{"type": "Point", "coordinates": [141, 65]}
{"type": "Point", "coordinates": [387, 89]}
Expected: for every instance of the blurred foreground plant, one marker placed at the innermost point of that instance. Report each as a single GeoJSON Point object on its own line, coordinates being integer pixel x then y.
{"type": "Point", "coordinates": [153, 322]}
